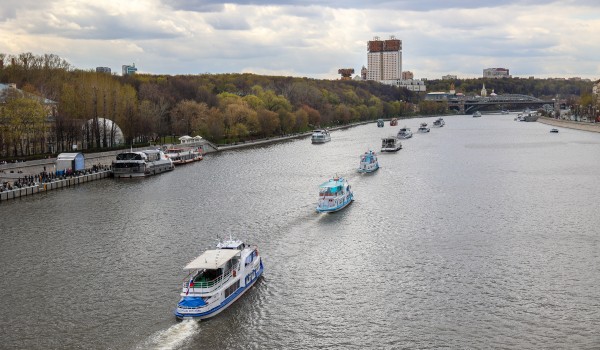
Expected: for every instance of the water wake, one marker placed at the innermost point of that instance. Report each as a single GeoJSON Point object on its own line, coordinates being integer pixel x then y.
{"type": "Point", "coordinates": [172, 337]}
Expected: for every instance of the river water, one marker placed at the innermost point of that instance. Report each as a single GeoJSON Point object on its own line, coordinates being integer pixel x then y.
{"type": "Point", "coordinates": [481, 234]}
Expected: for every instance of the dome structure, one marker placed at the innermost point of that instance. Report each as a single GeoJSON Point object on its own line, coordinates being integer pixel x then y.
{"type": "Point", "coordinates": [108, 128]}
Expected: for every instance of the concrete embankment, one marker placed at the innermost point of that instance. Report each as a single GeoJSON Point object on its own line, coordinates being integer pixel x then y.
{"type": "Point", "coordinates": [593, 127]}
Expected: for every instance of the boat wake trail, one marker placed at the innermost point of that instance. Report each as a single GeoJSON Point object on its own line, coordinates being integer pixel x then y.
{"type": "Point", "coordinates": [172, 337]}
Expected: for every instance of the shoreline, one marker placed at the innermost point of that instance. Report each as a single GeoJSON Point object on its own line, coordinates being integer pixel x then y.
{"type": "Point", "coordinates": [570, 124]}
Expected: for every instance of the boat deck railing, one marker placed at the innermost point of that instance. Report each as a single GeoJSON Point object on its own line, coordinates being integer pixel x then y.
{"type": "Point", "coordinates": [208, 286]}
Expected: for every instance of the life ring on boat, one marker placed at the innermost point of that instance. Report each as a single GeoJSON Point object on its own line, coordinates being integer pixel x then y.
{"type": "Point", "coordinates": [234, 273]}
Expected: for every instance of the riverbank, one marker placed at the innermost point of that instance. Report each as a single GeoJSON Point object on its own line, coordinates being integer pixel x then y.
{"type": "Point", "coordinates": [584, 126]}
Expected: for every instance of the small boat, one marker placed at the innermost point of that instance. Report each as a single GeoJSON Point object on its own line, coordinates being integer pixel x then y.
{"type": "Point", "coordinates": [477, 114]}
{"type": "Point", "coordinates": [554, 130]}
{"type": "Point", "coordinates": [334, 195]}
{"type": "Point", "coordinates": [390, 144]}
{"type": "Point", "coordinates": [320, 136]}
{"type": "Point", "coordinates": [217, 278]}
{"type": "Point", "coordinates": [141, 163]}
{"type": "Point", "coordinates": [368, 162]}
{"type": "Point", "coordinates": [439, 122]}
{"type": "Point", "coordinates": [394, 122]}
{"type": "Point", "coordinates": [380, 123]}
{"type": "Point", "coordinates": [504, 111]}
{"type": "Point", "coordinates": [405, 133]}
{"type": "Point", "coordinates": [423, 128]}
{"type": "Point", "coordinates": [183, 155]}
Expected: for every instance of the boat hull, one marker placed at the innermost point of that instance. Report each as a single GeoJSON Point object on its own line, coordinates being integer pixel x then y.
{"type": "Point", "coordinates": [339, 207]}
{"type": "Point", "coordinates": [205, 314]}
{"type": "Point", "coordinates": [369, 170]}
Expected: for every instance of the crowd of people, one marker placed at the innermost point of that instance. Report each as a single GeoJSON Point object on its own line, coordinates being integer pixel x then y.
{"type": "Point", "coordinates": [48, 176]}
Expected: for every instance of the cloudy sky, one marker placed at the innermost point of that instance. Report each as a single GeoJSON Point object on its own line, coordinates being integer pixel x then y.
{"type": "Point", "coordinates": [309, 38]}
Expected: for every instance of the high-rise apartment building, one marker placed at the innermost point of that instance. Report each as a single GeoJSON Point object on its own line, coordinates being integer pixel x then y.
{"type": "Point", "coordinates": [384, 59]}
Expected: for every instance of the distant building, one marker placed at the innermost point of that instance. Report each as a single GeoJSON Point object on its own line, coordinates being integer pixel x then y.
{"type": "Point", "coordinates": [103, 70]}
{"type": "Point", "coordinates": [128, 70]}
{"type": "Point", "coordinates": [407, 75]}
{"type": "Point", "coordinates": [483, 91]}
{"type": "Point", "coordinates": [363, 73]}
{"type": "Point", "coordinates": [449, 77]}
{"type": "Point", "coordinates": [384, 59]}
{"type": "Point", "coordinates": [410, 84]}
{"type": "Point", "coordinates": [346, 73]}
{"type": "Point", "coordinates": [496, 73]}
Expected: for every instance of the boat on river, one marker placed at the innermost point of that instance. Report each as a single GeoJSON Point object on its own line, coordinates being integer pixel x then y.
{"type": "Point", "coordinates": [141, 163]}
{"type": "Point", "coordinates": [390, 144]}
{"type": "Point", "coordinates": [393, 121]}
{"type": "Point", "coordinates": [423, 128]}
{"type": "Point", "coordinates": [217, 278]}
{"type": "Point", "coordinates": [404, 133]}
{"type": "Point", "coordinates": [380, 123]}
{"type": "Point", "coordinates": [554, 130]}
{"type": "Point", "coordinates": [320, 136]}
{"type": "Point", "coordinates": [183, 155]}
{"type": "Point", "coordinates": [368, 162]}
{"type": "Point", "coordinates": [439, 122]}
{"type": "Point", "coordinates": [477, 114]}
{"type": "Point", "coordinates": [334, 194]}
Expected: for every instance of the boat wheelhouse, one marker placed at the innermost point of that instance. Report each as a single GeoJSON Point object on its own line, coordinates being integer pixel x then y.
{"type": "Point", "coordinates": [334, 195]}
{"type": "Point", "coordinates": [405, 133]}
{"type": "Point", "coordinates": [423, 128]}
{"type": "Point", "coordinates": [394, 122]}
{"type": "Point", "coordinates": [183, 155]}
{"type": "Point", "coordinates": [217, 278]}
{"type": "Point", "coordinates": [320, 136]}
{"type": "Point", "coordinates": [368, 162]}
{"type": "Point", "coordinates": [380, 123]}
{"type": "Point", "coordinates": [439, 122]}
{"type": "Point", "coordinates": [141, 163]}
{"type": "Point", "coordinates": [390, 144]}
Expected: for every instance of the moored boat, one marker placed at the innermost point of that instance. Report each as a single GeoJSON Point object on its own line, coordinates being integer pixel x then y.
{"type": "Point", "coordinates": [141, 163]}
{"type": "Point", "coordinates": [334, 195]}
{"type": "Point", "coordinates": [390, 144]}
{"type": "Point", "coordinates": [405, 133]}
{"type": "Point", "coordinates": [368, 162]}
{"type": "Point", "coordinates": [183, 155]}
{"type": "Point", "coordinates": [439, 122]}
{"type": "Point", "coordinates": [423, 128]}
{"type": "Point", "coordinates": [217, 278]}
{"type": "Point", "coordinates": [320, 136]}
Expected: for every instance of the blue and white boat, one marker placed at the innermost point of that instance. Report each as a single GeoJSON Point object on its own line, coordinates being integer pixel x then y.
{"type": "Point", "coordinates": [217, 278]}
{"type": "Point", "coordinates": [368, 162]}
{"type": "Point", "coordinates": [334, 195]}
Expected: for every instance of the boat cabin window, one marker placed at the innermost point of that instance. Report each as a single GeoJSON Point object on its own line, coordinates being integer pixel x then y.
{"type": "Point", "coordinates": [129, 156]}
{"type": "Point", "coordinates": [330, 191]}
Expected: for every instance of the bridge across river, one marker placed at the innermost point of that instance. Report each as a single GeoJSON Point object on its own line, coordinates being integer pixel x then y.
{"type": "Point", "coordinates": [468, 105]}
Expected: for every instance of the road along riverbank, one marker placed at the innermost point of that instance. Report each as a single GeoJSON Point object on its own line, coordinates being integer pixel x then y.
{"type": "Point", "coordinates": [593, 127]}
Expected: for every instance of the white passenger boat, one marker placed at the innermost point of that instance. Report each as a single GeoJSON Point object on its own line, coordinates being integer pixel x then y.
{"type": "Point", "coordinates": [477, 114]}
{"type": "Point", "coordinates": [390, 144]}
{"type": "Point", "coordinates": [334, 195]}
{"type": "Point", "coordinates": [141, 163]}
{"type": "Point", "coordinates": [554, 130]}
{"type": "Point", "coordinates": [183, 155]}
{"type": "Point", "coordinates": [423, 128]}
{"type": "Point", "coordinates": [439, 122]}
{"type": "Point", "coordinates": [217, 278]}
{"type": "Point", "coordinates": [368, 162]}
{"type": "Point", "coordinates": [405, 133]}
{"type": "Point", "coordinates": [320, 136]}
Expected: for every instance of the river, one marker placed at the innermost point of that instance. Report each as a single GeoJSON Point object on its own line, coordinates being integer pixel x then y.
{"type": "Point", "coordinates": [480, 234]}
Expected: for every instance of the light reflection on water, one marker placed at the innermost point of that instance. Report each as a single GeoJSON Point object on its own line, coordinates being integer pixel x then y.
{"type": "Point", "coordinates": [480, 234]}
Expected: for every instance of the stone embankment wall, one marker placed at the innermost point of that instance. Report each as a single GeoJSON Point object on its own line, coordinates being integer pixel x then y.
{"type": "Point", "coordinates": [593, 127]}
